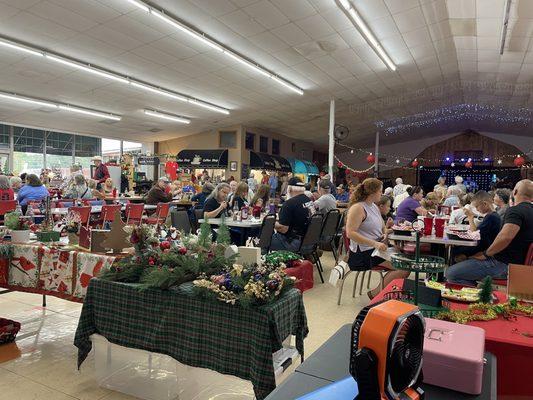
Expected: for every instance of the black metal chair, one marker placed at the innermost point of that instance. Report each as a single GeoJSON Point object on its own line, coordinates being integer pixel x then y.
{"type": "Point", "coordinates": [267, 230]}
{"type": "Point", "coordinates": [339, 239]}
{"type": "Point", "coordinates": [181, 221]}
{"type": "Point", "coordinates": [329, 230]}
{"type": "Point", "coordinates": [198, 215]}
{"type": "Point", "coordinates": [311, 240]}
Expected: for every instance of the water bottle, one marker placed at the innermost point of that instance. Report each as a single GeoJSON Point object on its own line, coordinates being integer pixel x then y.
{"type": "Point", "coordinates": [18, 209]}
{"type": "Point", "coordinates": [29, 212]}
{"type": "Point", "coordinates": [235, 211]}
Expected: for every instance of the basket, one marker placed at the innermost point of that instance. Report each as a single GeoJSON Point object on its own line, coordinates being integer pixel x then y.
{"type": "Point", "coordinates": [408, 297]}
{"type": "Point", "coordinates": [8, 330]}
{"type": "Point", "coordinates": [425, 263]}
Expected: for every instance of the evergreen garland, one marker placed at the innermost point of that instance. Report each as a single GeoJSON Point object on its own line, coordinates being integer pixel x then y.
{"type": "Point", "coordinates": [485, 294]}
{"type": "Point", "coordinates": [223, 235]}
{"type": "Point", "coordinates": [206, 236]}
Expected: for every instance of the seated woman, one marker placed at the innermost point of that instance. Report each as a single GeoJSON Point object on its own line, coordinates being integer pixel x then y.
{"type": "Point", "coordinates": [366, 230]}
{"type": "Point", "coordinates": [458, 216]}
{"type": "Point", "coordinates": [33, 190]}
{"type": "Point", "coordinates": [263, 192]}
{"type": "Point", "coordinates": [79, 189]}
{"type": "Point", "coordinates": [6, 191]}
{"type": "Point", "coordinates": [107, 188]}
{"type": "Point", "coordinates": [384, 205]}
{"type": "Point", "coordinates": [452, 196]}
{"type": "Point", "coordinates": [431, 202]}
{"type": "Point", "coordinates": [488, 229]}
{"type": "Point", "coordinates": [240, 197]}
{"type": "Point", "coordinates": [215, 205]}
{"type": "Point", "coordinates": [410, 208]}
{"type": "Point", "coordinates": [95, 193]}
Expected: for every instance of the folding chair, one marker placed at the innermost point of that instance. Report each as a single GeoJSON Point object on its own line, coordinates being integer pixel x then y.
{"type": "Point", "coordinates": [310, 241]}
{"type": "Point", "coordinates": [85, 214]}
{"type": "Point", "coordinates": [134, 213]}
{"type": "Point", "coordinates": [161, 214]}
{"type": "Point", "coordinates": [181, 221]}
{"type": "Point", "coordinates": [108, 214]}
{"type": "Point", "coordinates": [267, 230]}
{"type": "Point", "coordinates": [329, 230]}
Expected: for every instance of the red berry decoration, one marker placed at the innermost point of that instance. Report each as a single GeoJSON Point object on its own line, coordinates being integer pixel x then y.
{"type": "Point", "coordinates": [414, 164]}
{"type": "Point", "coordinates": [371, 159]}
{"type": "Point", "coordinates": [468, 164]}
{"type": "Point", "coordinates": [340, 165]}
{"type": "Point", "coordinates": [519, 161]}
{"type": "Point", "coordinates": [182, 250]}
{"type": "Point", "coordinates": [164, 245]}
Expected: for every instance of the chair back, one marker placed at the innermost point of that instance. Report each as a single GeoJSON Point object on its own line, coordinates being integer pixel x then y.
{"type": "Point", "coordinates": [312, 235]}
{"type": "Point", "coordinates": [108, 212]}
{"type": "Point", "coordinates": [134, 213]}
{"type": "Point", "coordinates": [85, 214]}
{"type": "Point", "coordinates": [162, 212]}
{"type": "Point", "coordinates": [444, 210]}
{"type": "Point", "coordinates": [7, 206]}
{"type": "Point", "coordinates": [92, 202]}
{"type": "Point", "coordinates": [529, 256]}
{"type": "Point", "coordinates": [330, 226]}
{"type": "Point", "coordinates": [180, 220]}
{"type": "Point", "coordinates": [267, 230]}
{"type": "Point", "coordinates": [65, 203]}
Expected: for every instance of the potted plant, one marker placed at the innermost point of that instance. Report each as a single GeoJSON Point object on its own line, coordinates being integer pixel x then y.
{"type": "Point", "coordinates": [19, 227]}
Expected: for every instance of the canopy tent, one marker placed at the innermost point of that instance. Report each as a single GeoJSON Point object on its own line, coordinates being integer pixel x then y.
{"type": "Point", "coordinates": [303, 167]}
{"type": "Point", "coordinates": [268, 162]}
{"type": "Point", "coordinates": [203, 158]}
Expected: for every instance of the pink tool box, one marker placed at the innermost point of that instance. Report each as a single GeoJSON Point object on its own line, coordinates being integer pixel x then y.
{"type": "Point", "coordinates": [453, 356]}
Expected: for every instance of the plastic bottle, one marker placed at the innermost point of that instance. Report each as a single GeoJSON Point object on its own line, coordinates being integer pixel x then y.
{"type": "Point", "coordinates": [18, 209]}
{"type": "Point", "coordinates": [235, 211]}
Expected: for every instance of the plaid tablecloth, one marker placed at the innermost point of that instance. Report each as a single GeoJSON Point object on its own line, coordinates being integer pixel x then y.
{"type": "Point", "coordinates": [195, 331]}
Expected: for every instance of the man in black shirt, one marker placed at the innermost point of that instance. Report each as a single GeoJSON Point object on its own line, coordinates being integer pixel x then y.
{"type": "Point", "coordinates": [509, 247]}
{"type": "Point", "coordinates": [293, 218]}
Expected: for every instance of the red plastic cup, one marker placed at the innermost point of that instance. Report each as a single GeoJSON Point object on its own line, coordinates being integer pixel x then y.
{"type": "Point", "coordinates": [428, 226]}
{"type": "Point", "coordinates": [439, 227]}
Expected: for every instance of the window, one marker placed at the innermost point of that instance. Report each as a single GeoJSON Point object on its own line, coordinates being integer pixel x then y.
{"type": "Point", "coordinates": [28, 154]}
{"type": "Point", "coordinates": [228, 140]}
{"type": "Point", "coordinates": [250, 141]}
{"type": "Point", "coordinates": [87, 146]}
{"type": "Point", "coordinates": [275, 147]}
{"type": "Point", "coordinates": [110, 150]}
{"type": "Point", "coordinates": [4, 135]}
{"type": "Point", "coordinates": [263, 144]}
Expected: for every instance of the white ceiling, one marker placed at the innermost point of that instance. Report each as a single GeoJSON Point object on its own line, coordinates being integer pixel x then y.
{"type": "Point", "coordinates": [447, 53]}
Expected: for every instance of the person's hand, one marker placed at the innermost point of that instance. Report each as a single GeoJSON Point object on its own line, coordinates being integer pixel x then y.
{"type": "Point", "coordinates": [389, 223]}
{"type": "Point", "coordinates": [479, 256]}
{"type": "Point", "coordinates": [468, 212]}
{"type": "Point", "coordinates": [223, 205]}
{"type": "Point", "coordinates": [380, 246]}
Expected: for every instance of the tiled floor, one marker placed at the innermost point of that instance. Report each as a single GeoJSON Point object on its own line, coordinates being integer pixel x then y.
{"type": "Point", "coordinates": [46, 366]}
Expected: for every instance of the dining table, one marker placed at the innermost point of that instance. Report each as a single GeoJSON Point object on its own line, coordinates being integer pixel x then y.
{"type": "Point", "coordinates": [96, 209]}
{"type": "Point", "coordinates": [247, 223]}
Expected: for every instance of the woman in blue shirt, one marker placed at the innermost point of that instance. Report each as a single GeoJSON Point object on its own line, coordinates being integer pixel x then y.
{"type": "Point", "coordinates": [34, 190]}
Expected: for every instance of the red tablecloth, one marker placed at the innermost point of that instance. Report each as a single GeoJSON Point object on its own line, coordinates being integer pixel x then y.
{"type": "Point", "coordinates": [513, 351]}
{"type": "Point", "coordinates": [303, 272]}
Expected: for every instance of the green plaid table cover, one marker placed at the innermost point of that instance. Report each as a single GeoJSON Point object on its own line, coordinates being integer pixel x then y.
{"type": "Point", "coordinates": [194, 331]}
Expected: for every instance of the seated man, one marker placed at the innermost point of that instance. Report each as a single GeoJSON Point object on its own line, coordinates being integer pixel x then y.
{"type": "Point", "coordinates": [325, 201]}
{"type": "Point", "coordinates": [160, 192]}
{"type": "Point", "coordinates": [509, 247]}
{"type": "Point", "coordinates": [342, 195]}
{"type": "Point", "coordinates": [293, 218]}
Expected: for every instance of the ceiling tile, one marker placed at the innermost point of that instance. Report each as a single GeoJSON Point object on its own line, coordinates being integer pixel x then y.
{"type": "Point", "coordinates": [383, 27]}
{"type": "Point", "coordinates": [315, 26]}
{"type": "Point", "coordinates": [461, 8]}
{"type": "Point", "coordinates": [295, 9]}
{"type": "Point", "coordinates": [291, 34]}
{"type": "Point", "coordinates": [289, 56]}
{"type": "Point", "coordinates": [216, 8]}
{"type": "Point", "coordinates": [242, 23]}
{"type": "Point", "coordinates": [266, 14]}
{"type": "Point", "coordinates": [267, 41]}
{"type": "Point", "coordinates": [409, 20]}
{"type": "Point", "coordinates": [417, 37]}
{"type": "Point", "coordinates": [435, 11]}
{"type": "Point", "coordinates": [491, 8]}
{"type": "Point", "coordinates": [396, 6]}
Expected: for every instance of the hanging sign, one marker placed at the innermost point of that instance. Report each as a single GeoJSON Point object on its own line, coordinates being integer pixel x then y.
{"type": "Point", "coordinates": [148, 160]}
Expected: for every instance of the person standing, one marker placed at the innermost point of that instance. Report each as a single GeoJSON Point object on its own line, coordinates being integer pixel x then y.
{"type": "Point", "coordinates": [101, 173]}
{"type": "Point", "coordinates": [264, 179]}
{"type": "Point", "coordinates": [273, 183]}
{"type": "Point", "coordinates": [252, 183]}
{"type": "Point", "coordinates": [459, 185]}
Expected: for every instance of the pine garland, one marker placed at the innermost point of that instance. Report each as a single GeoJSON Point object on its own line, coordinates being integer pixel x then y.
{"type": "Point", "coordinates": [485, 294]}
{"type": "Point", "coordinates": [487, 312]}
{"type": "Point", "coordinates": [223, 235]}
{"type": "Point", "coordinates": [205, 237]}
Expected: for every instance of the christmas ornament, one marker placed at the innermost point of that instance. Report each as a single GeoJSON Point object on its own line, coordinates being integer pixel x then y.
{"type": "Point", "coordinates": [340, 165]}
{"type": "Point", "coordinates": [414, 164]}
{"type": "Point", "coordinates": [519, 161]}
{"type": "Point", "coordinates": [371, 159]}
{"type": "Point", "coordinates": [469, 164]}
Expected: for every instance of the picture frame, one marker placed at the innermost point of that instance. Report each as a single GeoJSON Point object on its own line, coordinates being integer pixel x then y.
{"type": "Point", "coordinates": [233, 166]}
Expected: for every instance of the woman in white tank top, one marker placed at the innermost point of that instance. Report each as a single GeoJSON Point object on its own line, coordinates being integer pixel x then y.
{"type": "Point", "coordinates": [366, 230]}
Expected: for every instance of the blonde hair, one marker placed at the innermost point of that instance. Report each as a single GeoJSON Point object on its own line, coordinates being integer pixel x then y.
{"type": "Point", "coordinates": [368, 187]}
{"type": "Point", "coordinates": [242, 190]}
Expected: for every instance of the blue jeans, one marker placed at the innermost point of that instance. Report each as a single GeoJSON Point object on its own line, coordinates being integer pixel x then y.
{"type": "Point", "coordinates": [468, 272]}
{"type": "Point", "coordinates": [280, 242]}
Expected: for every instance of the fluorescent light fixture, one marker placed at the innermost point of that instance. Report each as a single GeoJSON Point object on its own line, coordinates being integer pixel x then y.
{"type": "Point", "coordinates": [169, 117]}
{"type": "Point", "coordinates": [51, 104]}
{"type": "Point", "coordinates": [140, 5]}
{"type": "Point", "coordinates": [205, 40]}
{"type": "Point", "coordinates": [19, 47]}
{"type": "Point", "coordinates": [22, 99]}
{"type": "Point", "coordinates": [208, 106]}
{"type": "Point", "coordinates": [365, 31]}
{"type": "Point", "coordinates": [90, 69]}
{"type": "Point", "coordinates": [505, 25]}
{"type": "Point", "coordinates": [112, 75]}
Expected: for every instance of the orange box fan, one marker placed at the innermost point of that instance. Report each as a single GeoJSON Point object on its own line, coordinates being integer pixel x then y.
{"type": "Point", "coordinates": [386, 351]}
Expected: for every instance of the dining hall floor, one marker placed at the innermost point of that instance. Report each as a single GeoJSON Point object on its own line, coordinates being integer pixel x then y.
{"type": "Point", "coordinates": [41, 365]}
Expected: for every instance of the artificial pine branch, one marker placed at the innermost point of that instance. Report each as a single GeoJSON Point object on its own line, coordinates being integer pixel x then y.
{"type": "Point", "coordinates": [223, 235]}
{"type": "Point", "coordinates": [485, 294]}
{"type": "Point", "coordinates": [206, 236]}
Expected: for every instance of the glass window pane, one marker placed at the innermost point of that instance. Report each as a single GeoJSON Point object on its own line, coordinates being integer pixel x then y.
{"type": "Point", "coordinates": [59, 143]}
{"type": "Point", "coordinates": [250, 141]}
{"type": "Point", "coordinates": [263, 144]}
{"type": "Point", "coordinates": [275, 147]}
{"type": "Point", "coordinates": [4, 135]}
{"type": "Point", "coordinates": [59, 164]}
{"type": "Point", "coordinates": [132, 146]}
{"type": "Point", "coordinates": [85, 163]}
{"type": "Point", "coordinates": [228, 140]}
{"type": "Point", "coordinates": [87, 146]}
{"type": "Point", "coordinates": [110, 149]}
{"type": "Point", "coordinates": [28, 140]}
{"type": "Point", "coordinates": [31, 163]}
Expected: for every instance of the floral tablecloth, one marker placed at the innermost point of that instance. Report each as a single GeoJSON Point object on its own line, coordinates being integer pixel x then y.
{"type": "Point", "coordinates": [37, 268]}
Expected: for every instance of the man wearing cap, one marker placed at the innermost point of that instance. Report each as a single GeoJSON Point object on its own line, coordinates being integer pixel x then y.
{"type": "Point", "coordinates": [326, 201]}
{"type": "Point", "coordinates": [160, 192]}
{"type": "Point", "coordinates": [342, 195]}
{"type": "Point", "coordinates": [293, 218]}
{"type": "Point", "coordinates": [101, 173]}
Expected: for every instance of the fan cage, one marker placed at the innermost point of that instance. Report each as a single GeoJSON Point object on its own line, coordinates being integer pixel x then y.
{"type": "Point", "coordinates": [408, 322]}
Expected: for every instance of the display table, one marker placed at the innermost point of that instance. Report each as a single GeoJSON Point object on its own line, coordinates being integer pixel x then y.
{"type": "Point", "coordinates": [513, 350]}
{"type": "Point", "coordinates": [194, 331]}
{"type": "Point", "coordinates": [249, 223]}
{"type": "Point", "coordinates": [64, 273]}
{"type": "Point", "coordinates": [331, 361]}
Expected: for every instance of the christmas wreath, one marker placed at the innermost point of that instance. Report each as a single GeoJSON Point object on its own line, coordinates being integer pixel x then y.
{"type": "Point", "coordinates": [282, 258]}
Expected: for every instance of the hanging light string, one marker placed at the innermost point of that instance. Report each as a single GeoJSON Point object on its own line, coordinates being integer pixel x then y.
{"type": "Point", "coordinates": [432, 160]}
{"type": "Point", "coordinates": [356, 171]}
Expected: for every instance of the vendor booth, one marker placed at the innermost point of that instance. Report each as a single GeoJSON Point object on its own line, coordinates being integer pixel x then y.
{"type": "Point", "coordinates": [214, 161]}
{"type": "Point", "coordinates": [303, 169]}
{"type": "Point", "coordinates": [265, 162]}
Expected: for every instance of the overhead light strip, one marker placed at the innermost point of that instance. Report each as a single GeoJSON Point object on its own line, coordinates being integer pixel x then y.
{"type": "Point", "coordinates": [202, 37]}
{"type": "Point", "coordinates": [170, 117]}
{"type": "Point", "coordinates": [111, 75]}
{"type": "Point", "coordinates": [365, 31]}
{"type": "Point", "coordinates": [59, 106]}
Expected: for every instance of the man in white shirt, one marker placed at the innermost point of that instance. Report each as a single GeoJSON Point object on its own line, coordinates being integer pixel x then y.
{"type": "Point", "coordinates": [326, 201]}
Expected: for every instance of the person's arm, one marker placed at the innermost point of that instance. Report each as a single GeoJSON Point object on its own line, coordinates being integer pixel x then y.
{"type": "Point", "coordinates": [421, 211]}
{"type": "Point", "coordinates": [356, 215]}
{"type": "Point", "coordinates": [285, 217]}
{"type": "Point", "coordinates": [214, 213]}
{"type": "Point", "coordinates": [504, 238]}
{"type": "Point", "coordinates": [471, 222]}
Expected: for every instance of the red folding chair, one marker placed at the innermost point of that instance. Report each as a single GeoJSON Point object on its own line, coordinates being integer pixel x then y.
{"type": "Point", "coordinates": [160, 215]}
{"type": "Point", "coordinates": [85, 214]}
{"type": "Point", "coordinates": [107, 214]}
{"type": "Point", "coordinates": [134, 213]}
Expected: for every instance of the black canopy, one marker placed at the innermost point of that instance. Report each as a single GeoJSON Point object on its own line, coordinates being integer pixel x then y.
{"type": "Point", "coordinates": [203, 158]}
{"type": "Point", "coordinates": [268, 162]}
